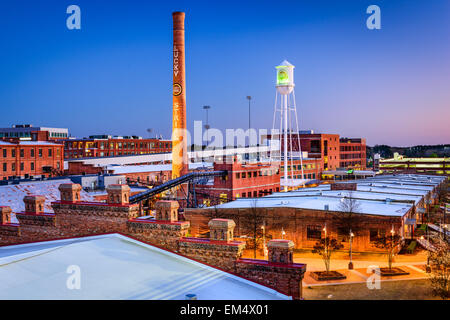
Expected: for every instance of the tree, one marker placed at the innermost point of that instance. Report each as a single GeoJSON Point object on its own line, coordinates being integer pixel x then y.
{"type": "Point", "coordinates": [325, 248]}
{"type": "Point", "coordinates": [440, 269]}
{"type": "Point", "coordinates": [252, 222]}
{"type": "Point", "coordinates": [390, 243]}
{"type": "Point", "coordinates": [348, 218]}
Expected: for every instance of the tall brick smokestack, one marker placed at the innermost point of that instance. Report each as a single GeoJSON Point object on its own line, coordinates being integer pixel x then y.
{"type": "Point", "coordinates": [179, 136]}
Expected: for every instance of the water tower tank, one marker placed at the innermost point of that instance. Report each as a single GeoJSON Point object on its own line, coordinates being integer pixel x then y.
{"type": "Point", "coordinates": [285, 77]}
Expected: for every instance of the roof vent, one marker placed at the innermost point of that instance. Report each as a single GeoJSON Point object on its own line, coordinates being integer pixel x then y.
{"type": "Point", "coordinates": [388, 200]}
{"type": "Point", "coordinates": [326, 207]}
{"type": "Point", "coordinates": [191, 296]}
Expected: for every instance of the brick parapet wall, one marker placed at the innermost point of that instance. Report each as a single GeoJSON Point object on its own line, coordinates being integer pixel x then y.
{"type": "Point", "coordinates": [87, 218]}
{"type": "Point", "coordinates": [9, 233]}
{"type": "Point", "coordinates": [217, 253]}
{"type": "Point", "coordinates": [161, 233]}
{"type": "Point", "coordinates": [286, 278]}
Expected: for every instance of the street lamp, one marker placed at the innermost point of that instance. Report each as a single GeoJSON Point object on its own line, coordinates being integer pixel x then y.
{"type": "Point", "coordinates": [283, 233]}
{"type": "Point", "coordinates": [206, 108]}
{"type": "Point", "coordinates": [350, 264]}
{"type": "Point", "coordinates": [263, 227]}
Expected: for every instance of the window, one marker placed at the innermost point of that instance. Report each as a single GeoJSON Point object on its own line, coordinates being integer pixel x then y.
{"type": "Point", "coordinates": [22, 166]}
{"type": "Point", "coordinates": [5, 167]}
{"type": "Point", "coordinates": [32, 152]}
{"type": "Point", "coordinates": [313, 232]}
{"type": "Point", "coordinates": [13, 153]}
{"type": "Point", "coordinates": [40, 153]}
{"type": "Point", "coordinates": [4, 153]}
{"type": "Point", "coordinates": [13, 166]}
{"type": "Point", "coordinates": [22, 153]}
{"type": "Point", "coordinates": [32, 166]}
{"type": "Point", "coordinates": [237, 175]}
{"type": "Point", "coordinates": [49, 152]}
{"type": "Point", "coordinates": [374, 234]}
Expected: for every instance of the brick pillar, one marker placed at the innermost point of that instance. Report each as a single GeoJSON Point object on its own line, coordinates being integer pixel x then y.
{"type": "Point", "coordinates": [34, 204]}
{"type": "Point", "coordinates": [221, 229]}
{"type": "Point", "coordinates": [281, 251]}
{"type": "Point", "coordinates": [167, 210]}
{"type": "Point", "coordinates": [5, 214]}
{"type": "Point", "coordinates": [118, 194]}
{"type": "Point", "coordinates": [70, 192]}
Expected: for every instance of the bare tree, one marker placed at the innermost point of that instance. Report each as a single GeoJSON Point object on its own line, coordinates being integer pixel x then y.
{"type": "Point", "coordinates": [252, 222]}
{"type": "Point", "coordinates": [440, 268]}
{"type": "Point", "coordinates": [325, 248]}
{"type": "Point", "coordinates": [390, 243]}
{"type": "Point", "coordinates": [348, 218]}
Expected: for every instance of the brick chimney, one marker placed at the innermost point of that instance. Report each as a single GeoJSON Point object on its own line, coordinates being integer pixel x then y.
{"type": "Point", "coordinates": [118, 194]}
{"type": "Point", "coordinates": [167, 210]}
{"type": "Point", "coordinates": [281, 251]}
{"type": "Point", "coordinates": [70, 192]}
{"type": "Point", "coordinates": [5, 214]}
{"type": "Point", "coordinates": [221, 229]}
{"type": "Point", "coordinates": [34, 204]}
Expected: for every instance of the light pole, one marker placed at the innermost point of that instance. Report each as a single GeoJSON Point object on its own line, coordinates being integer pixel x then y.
{"type": "Point", "coordinates": [263, 227]}
{"type": "Point", "coordinates": [283, 233]}
{"type": "Point", "coordinates": [249, 98]}
{"type": "Point", "coordinates": [206, 108]}
{"type": "Point", "coordinates": [350, 264]}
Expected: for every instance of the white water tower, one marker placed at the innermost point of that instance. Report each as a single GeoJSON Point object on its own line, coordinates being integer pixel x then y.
{"type": "Point", "coordinates": [286, 107]}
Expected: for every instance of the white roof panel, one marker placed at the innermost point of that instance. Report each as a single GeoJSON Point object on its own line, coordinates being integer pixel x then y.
{"type": "Point", "coordinates": [116, 267]}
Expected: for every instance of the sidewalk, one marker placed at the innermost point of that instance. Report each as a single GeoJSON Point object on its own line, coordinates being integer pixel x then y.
{"type": "Point", "coordinates": [360, 275]}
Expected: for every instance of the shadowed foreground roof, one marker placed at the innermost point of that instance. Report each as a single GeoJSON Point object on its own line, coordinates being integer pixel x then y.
{"type": "Point", "coordinates": [115, 267]}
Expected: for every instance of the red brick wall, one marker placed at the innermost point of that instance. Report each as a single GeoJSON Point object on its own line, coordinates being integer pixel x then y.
{"type": "Point", "coordinates": [20, 154]}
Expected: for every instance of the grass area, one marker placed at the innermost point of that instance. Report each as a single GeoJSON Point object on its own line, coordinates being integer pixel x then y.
{"type": "Point", "coordinates": [390, 290]}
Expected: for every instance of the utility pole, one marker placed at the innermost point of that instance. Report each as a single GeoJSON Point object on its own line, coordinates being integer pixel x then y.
{"type": "Point", "coordinates": [249, 98]}
{"type": "Point", "coordinates": [206, 108]}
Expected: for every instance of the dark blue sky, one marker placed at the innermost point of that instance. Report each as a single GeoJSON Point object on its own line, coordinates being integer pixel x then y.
{"type": "Point", "coordinates": [114, 75]}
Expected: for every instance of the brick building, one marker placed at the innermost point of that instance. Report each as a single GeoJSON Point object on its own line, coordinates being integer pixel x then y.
{"type": "Point", "coordinates": [334, 152]}
{"type": "Point", "coordinates": [353, 153]}
{"type": "Point", "coordinates": [26, 159]}
{"type": "Point", "coordinates": [385, 203]}
{"type": "Point", "coordinates": [25, 131]}
{"type": "Point", "coordinates": [311, 169]}
{"type": "Point", "coordinates": [107, 146]}
{"type": "Point", "coordinates": [244, 180]}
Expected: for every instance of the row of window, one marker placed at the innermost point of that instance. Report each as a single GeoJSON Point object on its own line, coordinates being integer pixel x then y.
{"type": "Point", "coordinates": [256, 194]}
{"type": "Point", "coordinates": [117, 145]}
{"type": "Point", "coordinates": [314, 232]}
{"type": "Point", "coordinates": [22, 166]}
{"type": "Point", "coordinates": [254, 174]}
{"type": "Point", "coordinates": [31, 154]}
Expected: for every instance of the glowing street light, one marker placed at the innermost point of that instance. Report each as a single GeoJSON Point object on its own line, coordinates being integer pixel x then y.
{"type": "Point", "coordinates": [283, 233]}
{"type": "Point", "coordinates": [350, 264]}
{"type": "Point", "coordinates": [263, 227]}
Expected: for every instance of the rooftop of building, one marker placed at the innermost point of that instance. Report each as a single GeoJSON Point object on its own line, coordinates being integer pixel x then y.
{"type": "Point", "coordinates": [116, 267]}
{"type": "Point", "coordinates": [29, 143]}
{"type": "Point", "coordinates": [118, 169]}
{"type": "Point", "coordinates": [319, 202]}
{"type": "Point", "coordinates": [12, 195]}
{"type": "Point", "coordinates": [382, 195]}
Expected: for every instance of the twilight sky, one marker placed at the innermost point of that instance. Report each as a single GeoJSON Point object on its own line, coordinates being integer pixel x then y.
{"type": "Point", "coordinates": [391, 86]}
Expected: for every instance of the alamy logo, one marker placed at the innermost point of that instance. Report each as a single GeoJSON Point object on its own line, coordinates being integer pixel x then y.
{"type": "Point", "coordinates": [373, 281]}
{"type": "Point", "coordinates": [74, 280]}
{"type": "Point", "coordinates": [374, 21]}
{"type": "Point", "coordinates": [74, 20]}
